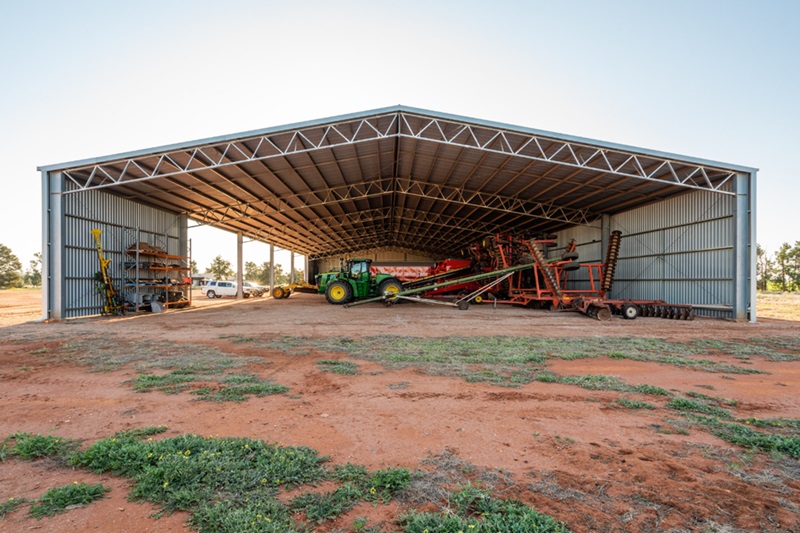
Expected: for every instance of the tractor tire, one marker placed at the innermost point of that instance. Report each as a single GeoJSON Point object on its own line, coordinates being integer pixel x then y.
{"type": "Point", "coordinates": [278, 293]}
{"type": "Point", "coordinates": [390, 287]}
{"type": "Point", "coordinates": [339, 292]}
{"type": "Point", "coordinates": [211, 295]}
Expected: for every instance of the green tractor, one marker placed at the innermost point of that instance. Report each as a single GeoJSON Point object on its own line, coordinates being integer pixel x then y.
{"type": "Point", "coordinates": [354, 281]}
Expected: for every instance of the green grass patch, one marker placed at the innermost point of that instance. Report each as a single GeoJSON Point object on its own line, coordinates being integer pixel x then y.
{"type": "Point", "coordinates": [692, 406]}
{"type": "Point", "coordinates": [634, 404]}
{"type": "Point", "coordinates": [233, 484]}
{"type": "Point", "coordinates": [27, 446]}
{"type": "Point", "coordinates": [240, 393]}
{"type": "Point", "coordinates": [61, 499]}
{"type": "Point", "coordinates": [784, 425]}
{"type": "Point", "coordinates": [714, 399]}
{"type": "Point", "coordinates": [10, 505]}
{"type": "Point", "coordinates": [600, 382]}
{"type": "Point", "coordinates": [228, 388]}
{"type": "Point", "coordinates": [338, 367]}
{"type": "Point", "coordinates": [505, 361]}
{"type": "Point", "coordinates": [748, 437]}
{"type": "Point", "coordinates": [473, 509]}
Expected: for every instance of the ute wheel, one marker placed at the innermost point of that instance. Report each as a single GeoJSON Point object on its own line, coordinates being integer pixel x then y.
{"type": "Point", "coordinates": [339, 292]}
{"type": "Point", "coordinates": [569, 256]}
{"type": "Point", "coordinates": [572, 265]}
{"type": "Point", "coordinates": [390, 287]}
{"type": "Point", "coordinates": [211, 295]}
{"type": "Point", "coordinates": [278, 293]}
{"type": "Point", "coordinates": [630, 311]}
{"type": "Point", "coordinates": [463, 305]}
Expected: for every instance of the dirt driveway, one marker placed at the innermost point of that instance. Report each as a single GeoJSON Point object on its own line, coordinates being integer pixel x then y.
{"type": "Point", "coordinates": [573, 451]}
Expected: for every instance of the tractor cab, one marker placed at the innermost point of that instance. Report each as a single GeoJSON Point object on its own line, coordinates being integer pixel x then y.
{"type": "Point", "coordinates": [359, 269]}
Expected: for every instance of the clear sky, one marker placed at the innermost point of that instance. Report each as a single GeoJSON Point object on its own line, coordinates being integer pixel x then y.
{"type": "Point", "coordinates": [718, 80]}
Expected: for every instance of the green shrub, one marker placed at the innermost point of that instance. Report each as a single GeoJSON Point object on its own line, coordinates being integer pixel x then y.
{"type": "Point", "coordinates": [29, 446]}
{"type": "Point", "coordinates": [59, 499]}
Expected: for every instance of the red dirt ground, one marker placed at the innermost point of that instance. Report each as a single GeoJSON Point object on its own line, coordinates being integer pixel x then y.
{"type": "Point", "coordinates": [594, 466]}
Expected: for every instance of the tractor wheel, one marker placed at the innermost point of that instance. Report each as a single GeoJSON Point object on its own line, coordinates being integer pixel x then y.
{"type": "Point", "coordinates": [339, 292]}
{"type": "Point", "coordinates": [630, 311]}
{"type": "Point", "coordinates": [278, 293]}
{"type": "Point", "coordinates": [211, 295]}
{"type": "Point", "coordinates": [390, 287]}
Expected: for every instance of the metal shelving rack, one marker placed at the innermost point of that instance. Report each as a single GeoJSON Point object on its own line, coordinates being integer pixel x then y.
{"type": "Point", "coordinates": [146, 279]}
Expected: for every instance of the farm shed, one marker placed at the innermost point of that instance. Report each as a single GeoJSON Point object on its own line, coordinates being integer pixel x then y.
{"type": "Point", "coordinates": [409, 185]}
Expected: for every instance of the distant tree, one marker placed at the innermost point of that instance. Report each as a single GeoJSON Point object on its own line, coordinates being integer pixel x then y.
{"type": "Point", "coordinates": [10, 268]}
{"type": "Point", "coordinates": [193, 266]}
{"type": "Point", "coordinates": [220, 268]}
{"type": "Point", "coordinates": [33, 275]}
{"type": "Point", "coordinates": [793, 270]}
{"type": "Point", "coordinates": [764, 268]}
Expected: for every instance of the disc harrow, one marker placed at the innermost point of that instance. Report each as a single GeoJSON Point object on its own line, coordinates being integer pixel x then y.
{"type": "Point", "coordinates": [665, 310]}
{"type": "Point", "coordinates": [612, 254]}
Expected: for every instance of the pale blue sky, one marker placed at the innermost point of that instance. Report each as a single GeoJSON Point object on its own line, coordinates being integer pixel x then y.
{"type": "Point", "coordinates": [718, 80]}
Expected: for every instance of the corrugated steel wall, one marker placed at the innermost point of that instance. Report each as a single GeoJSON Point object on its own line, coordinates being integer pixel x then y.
{"type": "Point", "coordinates": [680, 250]}
{"type": "Point", "coordinates": [118, 219]}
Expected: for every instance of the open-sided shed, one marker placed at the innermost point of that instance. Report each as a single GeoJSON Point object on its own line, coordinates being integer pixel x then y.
{"type": "Point", "coordinates": [404, 184]}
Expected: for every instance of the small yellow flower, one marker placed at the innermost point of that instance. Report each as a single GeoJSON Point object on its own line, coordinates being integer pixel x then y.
{"type": "Point", "coordinates": [113, 440]}
{"type": "Point", "coordinates": [11, 499]}
{"type": "Point", "coordinates": [372, 490]}
{"type": "Point", "coordinates": [472, 526]}
{"type": "Point", "coordinates": [166, 484]}
{"type": "Point", "coordinates": [74, 482]}
{"type": "Point", "coordinates": [149, 439]}
{"type": "Point", "coordinates": [263, 480]}
{"type": "Point", "coordinates": [267, 519]}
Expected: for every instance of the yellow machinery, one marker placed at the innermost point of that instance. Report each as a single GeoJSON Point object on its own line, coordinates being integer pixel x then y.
{"type": "Point", "coordinates": [110, 305]}
{"type": "Point", "coordinates": [284, 291]}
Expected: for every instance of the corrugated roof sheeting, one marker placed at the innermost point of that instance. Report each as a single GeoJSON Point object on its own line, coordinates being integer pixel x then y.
{"type": "Point", "coordinates": [271, 184]}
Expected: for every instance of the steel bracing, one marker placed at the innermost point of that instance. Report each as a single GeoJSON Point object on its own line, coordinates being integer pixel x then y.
{"type": "Point", "coordinates": [398, 177]}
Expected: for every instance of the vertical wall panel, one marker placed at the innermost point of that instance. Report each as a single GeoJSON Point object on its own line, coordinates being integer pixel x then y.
{"type": "Point", "coordinates": [118, 219]}
{"type": "Point", "coordinates": [680, 250]}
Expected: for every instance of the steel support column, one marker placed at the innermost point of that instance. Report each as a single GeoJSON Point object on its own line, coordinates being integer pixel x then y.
{"type": "Point", "coordinates": [271, 268]}
{"type": "Point", "coordinates": [239, 276]}
{"type": "Point", "coordinates": [753, 252]}
{"type": "Point", "coordinates": [291, 270]}
{"type": "Point", "coordinates": [53, 246]}
{"type": "Point", "coordinates": [743, 307]}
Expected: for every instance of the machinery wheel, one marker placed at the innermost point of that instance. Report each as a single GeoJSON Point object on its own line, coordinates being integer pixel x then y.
{"type": "Point", "coordinates": [211, 295]}
{"type": "Point", "coordinates": [278, 293]}
{"type": "Point", "coordinates": [288, 293]}
{"type": "Point", "coordinates": [630, 311]}
{"type": "Point", "coordinates": [603, 313]}
{"type": "Point", "coordinates": [569, 256]}
{"type": "Point", "coordinates": [463, 305]}
{"type": "Point", "coordinates": [572, 265]}
{"type": "Point", "coordinates": [339, 292]}
{"type": "Point", "coordinates": [390, 287]}
{"type": "Point", "coordinates": [478, 299]}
